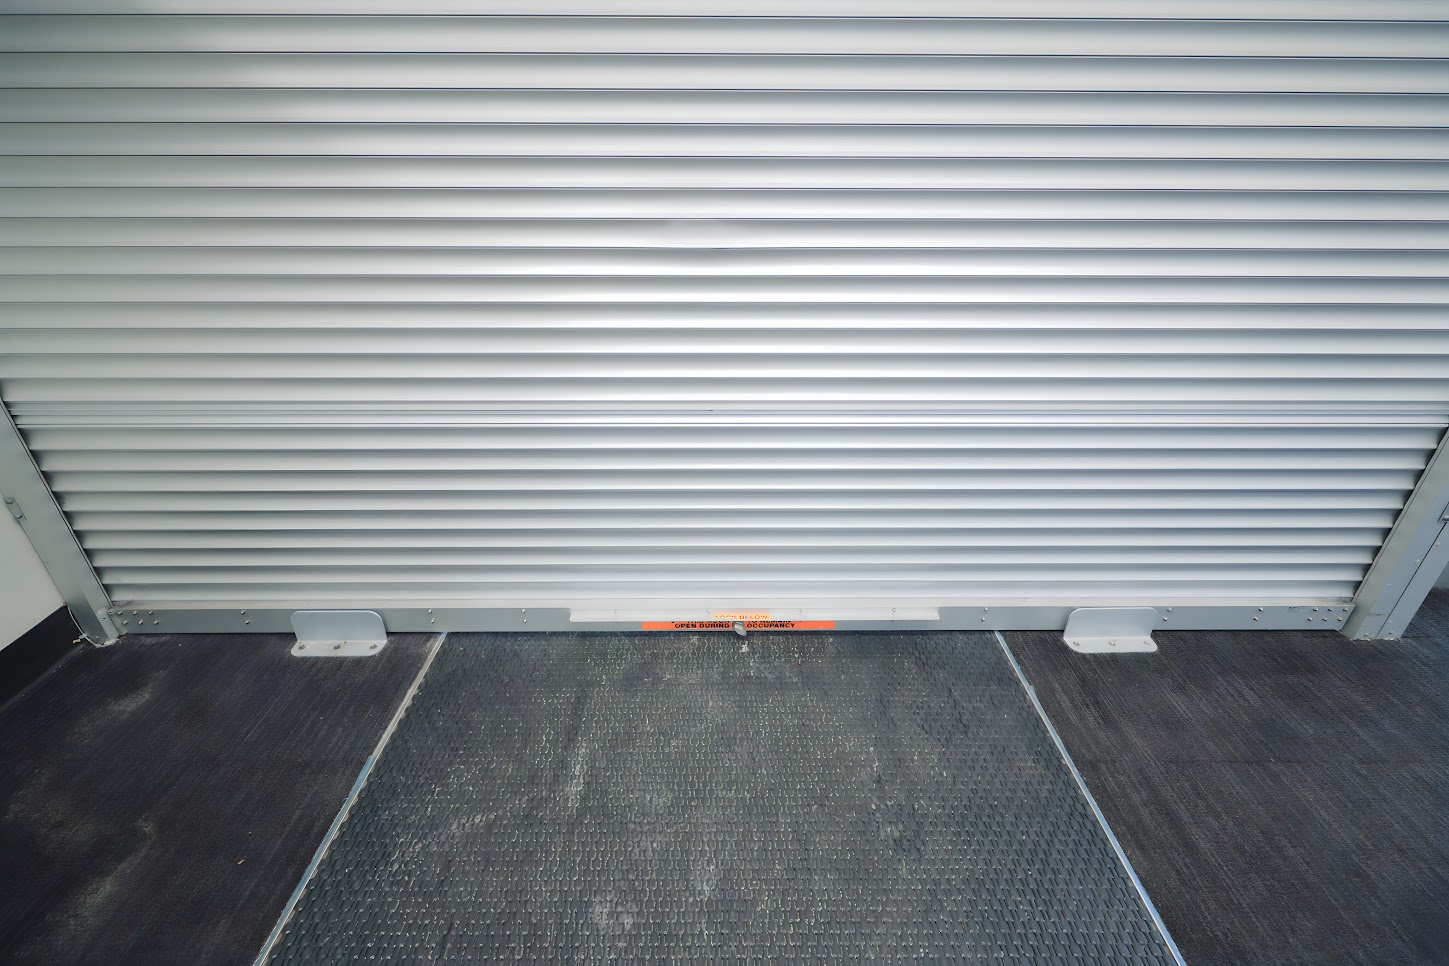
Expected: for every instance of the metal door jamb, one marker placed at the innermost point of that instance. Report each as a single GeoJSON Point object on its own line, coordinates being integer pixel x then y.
{"type": "Point", "coordinates": [1411, 559]}
{"type": "Point", "coordinates": [30, 501]}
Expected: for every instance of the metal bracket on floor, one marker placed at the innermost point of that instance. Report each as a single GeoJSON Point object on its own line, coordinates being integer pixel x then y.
{"type": "Point", "coordinates": [1111, 630]}
{"type": "Point", "coordinates": [338, 633]}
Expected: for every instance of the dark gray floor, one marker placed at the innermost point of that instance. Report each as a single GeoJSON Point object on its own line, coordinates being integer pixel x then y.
{"type": "Point", "coordinates": [160, 799]}
{"type": "Point", "coordinates": [826, 798]}
{"type": "Point", "coordinates": [1284, 797]}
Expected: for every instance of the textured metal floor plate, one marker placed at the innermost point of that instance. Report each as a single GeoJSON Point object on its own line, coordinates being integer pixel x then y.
{"type": "Point", "coordinates": [821, 797]}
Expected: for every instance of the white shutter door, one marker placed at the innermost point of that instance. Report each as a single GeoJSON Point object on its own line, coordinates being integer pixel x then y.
{"type": "Point", "coordinates": [833, 307]}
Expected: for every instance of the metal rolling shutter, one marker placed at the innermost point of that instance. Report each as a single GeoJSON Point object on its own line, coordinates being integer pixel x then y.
{"type": "Point", "coordinates": [829, 311]}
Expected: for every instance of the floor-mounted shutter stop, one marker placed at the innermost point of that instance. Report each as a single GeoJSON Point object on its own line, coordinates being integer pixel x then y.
{"type": "Point", "coordinates": [1111, 630]}
{"type": "Point", "coordinates": [338, 633]}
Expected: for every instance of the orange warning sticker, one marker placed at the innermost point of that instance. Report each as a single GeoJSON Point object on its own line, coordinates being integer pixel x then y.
{"type": "Point", "coordinates": [758, 615]}
{"type": "Point", "coordinates": [727, 625]}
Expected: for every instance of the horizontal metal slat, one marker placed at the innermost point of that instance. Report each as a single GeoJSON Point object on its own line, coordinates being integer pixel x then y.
{"type": "Point", "coordinates": [123, 171]}
{"type": "Point", "coordinates": [1160, 479]}
{"type": "Point", "coordinates": [320, 105]}
{"type": "Point", "coordinates": [87, 470]}
{"type": "Point", "coordinates": [354, 413]}
{"type": "Point", "coordinates": [691, 204]}
{"type": "Point", "coordinates": [1171, 586]}
{"type": "Point", "coordinates": [517, 349]}
{"type": "Point", "coordinates": [785, 262]}
{"type": "Point", "coordinates": [733, 72]}
{"type": "Point", "coordinates": [666, 567]}
{"type": "Point", "coordinates": [1287, 587]}
{"type": "Point", "coordinates": [728, 140]}
{"type": "Point", "coordinates": [752, 519]}
{"type": "Point", "coordinates": [435, 560]}
{"type": "Point", "coordinates": [1082, 539]}
{"type": "Point", "coordinates": [457, 345]}
{"type": "Point", "coordinates": [799, 367]}
{"type": "Point", "coordinates": [1387, 393]}
{"type": "Point", "coordinates": [803, 437]}
{"type": "Point", "coordinates": [668, 572]}
{"type": "Point", "coordinates": [682, 289]}
{"type": "Point", "coordinates": [1060, 499]}
{"type": "Point", "coordinates": [726, 35]}
{"type": "Point", "coordinates": [690, 319]}
{"type": "Point", "coordinates": [1130, 9]}
{"type": "Point", "coordinates": [742, 365]}
{"type": "Point", "coordinates": [732, 232]}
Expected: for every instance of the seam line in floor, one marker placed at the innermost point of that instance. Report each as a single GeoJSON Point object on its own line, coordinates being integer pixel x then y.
{"type": "Point", "coordinates": [1092, 802]}
{"type": "Point", "coordinates": [348, 802]}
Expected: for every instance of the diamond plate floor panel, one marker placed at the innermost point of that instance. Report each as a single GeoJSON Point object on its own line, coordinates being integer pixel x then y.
{"type": "Point", "coordinates": [819, 797]}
